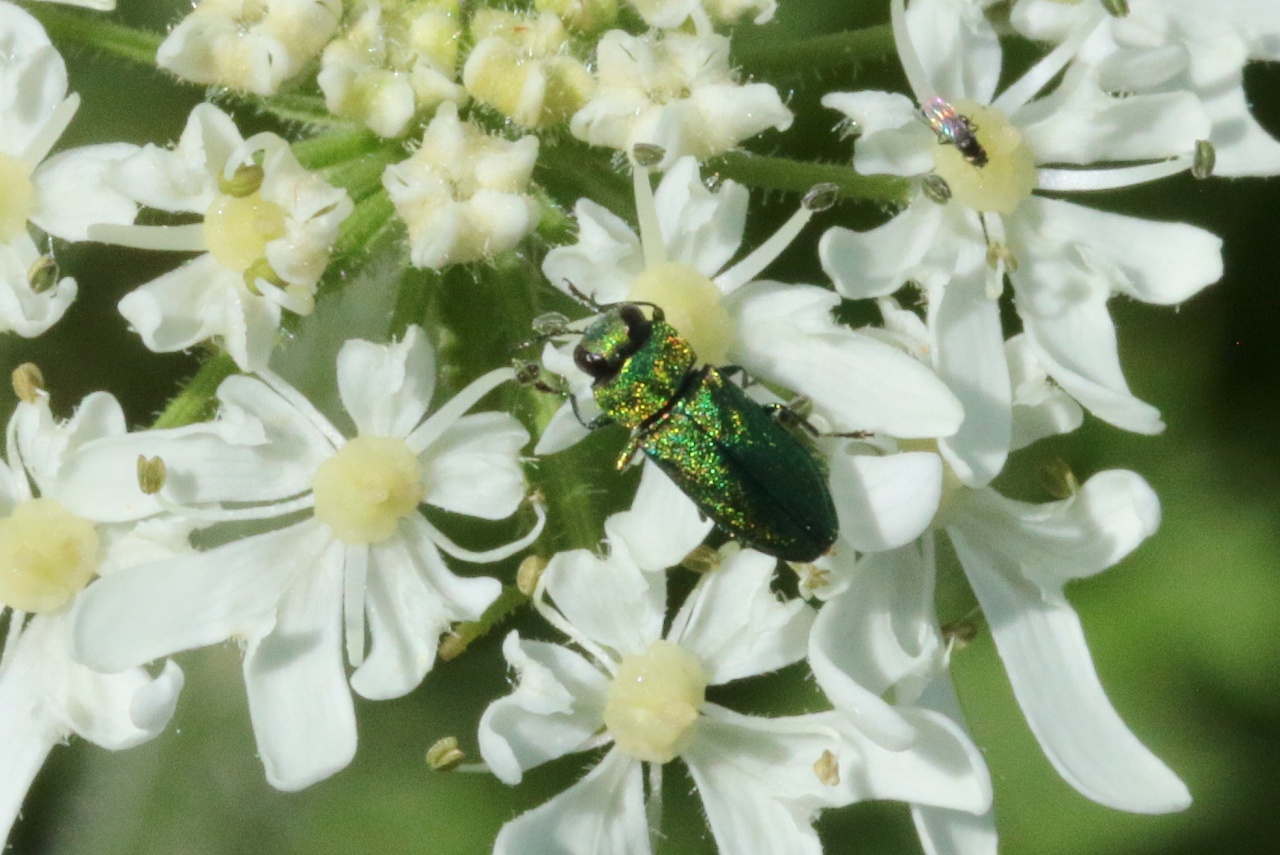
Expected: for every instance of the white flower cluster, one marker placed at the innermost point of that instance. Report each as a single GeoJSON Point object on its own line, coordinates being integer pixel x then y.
{"type": "Point", "coordinates": [298, 530]}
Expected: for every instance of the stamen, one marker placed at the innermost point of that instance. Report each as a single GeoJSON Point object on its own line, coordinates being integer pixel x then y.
{"type": "Point", "coordinates": [188, 238]}
{"type": "Point", "coordinates": [496, 554]}
{"type": "Point", "coordinates": [308, 410]}
{"type": "Point", "coordinates": [442, 419]}
{"type": "Point", "coordinates": [245, 514]}
{"type": "Point", "coordinates": [47, 137]}
{"type": "Point", "coordinates": [1039, 75]}
{"type": "Point", "coordinates": [1077, 180]}
{"type": "Point", "coordinates": [552, 616]}
{"type": "Point", "coordinates": [655, 251]}
{"type": "Point", "coordinates": [765, 254]}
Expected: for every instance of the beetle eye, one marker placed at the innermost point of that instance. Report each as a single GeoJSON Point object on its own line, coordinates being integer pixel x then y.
{"type": "Point", "coordinates": [592, 363]}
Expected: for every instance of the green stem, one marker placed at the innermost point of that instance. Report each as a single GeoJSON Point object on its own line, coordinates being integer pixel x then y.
{"type": "Point", "coordinates": [764, 55]}
{"type": "Point", "coordinates": [363, 228]}
{"type": "Point", "coordinates": [363, 175]}
{"type": "Point", "coordinates": [332, 149]}
{"type": "Point", "coordinates": [573, 171]}
{"type": "Point", "coordinates": [288, 107]}
{"type": "Point", "coordinates": [195, 403]}
{"type": "Point", "coordinates": [463, 634]}
{"type": "Point", "coordinates": [91, 31]}
{"type": "Point", "coordinates": [795, 176]}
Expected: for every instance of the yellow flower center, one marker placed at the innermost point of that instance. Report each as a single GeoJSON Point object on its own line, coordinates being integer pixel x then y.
{"type": "Point", "coordinates": [1009, 175]}
{"type": "Point", "coordinates": [237, 229]}
{"type": "Point", "coordinates": [47, 555]}
{"type": "Point", "coordinates": [17, 197]}
{"type": "Point", "coordinates": [653, 702]}
{"type": "Point", "coordinates": [691, 303]}
{"type": "Point", "coordinates": [362, 492]}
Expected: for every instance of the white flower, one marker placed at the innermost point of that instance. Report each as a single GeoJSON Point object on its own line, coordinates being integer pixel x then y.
{"type": "Point", "coordinates": [643, 692]}
{"type": "Point", "coordinates": [880, 637]}
{"type": "Point", "coordinates": [463, 194]}
{"type": "Point", "coordinates": [60, 195]}
{"type": "Point", "coordinates": [53, 539]}
{"type": "Point", "coordinates": [674, 90]}
{"type": "Point", "coordinates": [1065, 261]}
{"type": "Point", "coordinates": [361, 549]}
{"type": "Point", "coordinates": [522, 67]}
{"type": "Point", "coordinates": [393, 60]}
{"type": "Point", "coordinates": [268, 226]}
{"type": "Point", "coordinates": [780, 333]}
{"type": "Point", "coordinates": [669, 14]}
{"type": "Point", "coordinates": [249, 44]}
{"type": "Point", "coordinates": [1199, 46]}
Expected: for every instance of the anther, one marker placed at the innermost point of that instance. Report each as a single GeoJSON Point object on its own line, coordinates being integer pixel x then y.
{"type": "Point", "coordinates": [820, 197]}
{"type": "Point", "coordinates": [445, 755]}
{"type": "Point", "coordinates": [152, 474]}
{"type": "Point", "coordinates": [28, 382]}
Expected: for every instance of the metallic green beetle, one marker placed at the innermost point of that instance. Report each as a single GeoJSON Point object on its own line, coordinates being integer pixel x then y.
{"type": "Point", "coordinates": [743, 468]}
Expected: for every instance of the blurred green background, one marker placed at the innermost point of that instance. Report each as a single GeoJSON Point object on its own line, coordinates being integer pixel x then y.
{"type": "Point", "coordinates": [1185, 633]}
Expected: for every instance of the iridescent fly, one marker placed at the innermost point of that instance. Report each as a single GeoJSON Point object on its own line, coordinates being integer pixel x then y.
{"type": "Point", "coordinates": [954, 129]}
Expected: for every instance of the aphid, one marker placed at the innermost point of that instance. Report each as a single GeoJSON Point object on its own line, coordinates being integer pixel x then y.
{"type": "Point", "coordinates": [744, 468]}
{"type": "Point", "coordinates": [954, 129]}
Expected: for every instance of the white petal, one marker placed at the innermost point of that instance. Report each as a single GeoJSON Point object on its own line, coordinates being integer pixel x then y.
{"type": "Point", "coordinates": [787, 335]}
{"type": "Point", "coordinates": [1041, 642]}
{"type": "Point", "coordinates": [892, 139]}
{"type": "Point", "coordinates": [662, 526]}
{"type": "Point", "coordinates": [386, 388]}
{"type": "Point", "coordinates": [757, 781]}
{"type": "Point", "coordinates": [1078, 348]}
{"type": "Point", "coordinates": [1154, 262]}
{"type": "Point", "coordinates": [953, 832]}
{"type": "Point", "coordinates": [737, 626]}
{"type": "Point", "coordinates": [1081, 124]}
{"type": "Point", "coordinates": [1040, 408]}
{"type": "Point", "coordinates": [474, 467]}
{"type": "Point", "coordinates": [555, 709]}
{"type": "Point", "coordinates": [879, 632]}
{"type": "Point", "coordinates": [611, 600]}
{"type": "Point", "coordinates": [911, 246]}
{"type": "Point", "coordinates": [885, 502]}
{"type": "Point", "coordinates": [191, 601]}
{"type": "Point", "coordinates": [968, 347]}
{"type": "Point", "coordinates": [413, 597]}
{"type": "Point", "coordinates": [1050, 544]}
{"type": "Point", "coordinates": [603, 814]}
{"type": "Point", "coordinates": [23, 310]}
{"type": "Point", "coordinates": [183, 307]}
{"type": "Point", "coordinates": [27, 733]}
{"type": "Point", "coordinates": [299, 702]}
{"type": "Point", "coordinates": [700, 227]}
{"type": "Point", "coordinates": [74, 191]}
{"type": "Point", "coordinates": [941, 768]}
{"type": "Point", "coordinates": [958, 46]}
{"type": "Point", "coordinates": [184, 179]}
{"type": "Point", "coordinates": [45, 444]}
{"type": "Point", "coordinates": [562, 431]}
{"type": "Point", "coordinates": [36, 87]}
{"type": "Point", "coordinates": [604, 261]}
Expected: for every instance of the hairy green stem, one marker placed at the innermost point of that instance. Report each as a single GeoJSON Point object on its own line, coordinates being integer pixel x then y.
{"type": "Point", "coordinates": [90, 30]}
{"type": "Point", "coordinates": [766, 55]}
{"type": "Point", "coordinates": [463, 634]}
{"type": "Point", "coordinates": [195, 403]}
{"type": "Point", "coordinates": [796, 176]}
{"type": "Point", "coordinates": [335, 148]}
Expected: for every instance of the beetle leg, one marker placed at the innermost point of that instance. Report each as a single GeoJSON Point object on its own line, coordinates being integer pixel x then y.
{"type": "Point", "coordinates": [590, 424]}
{"type": "Point", "coordinates": [628, 454]}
